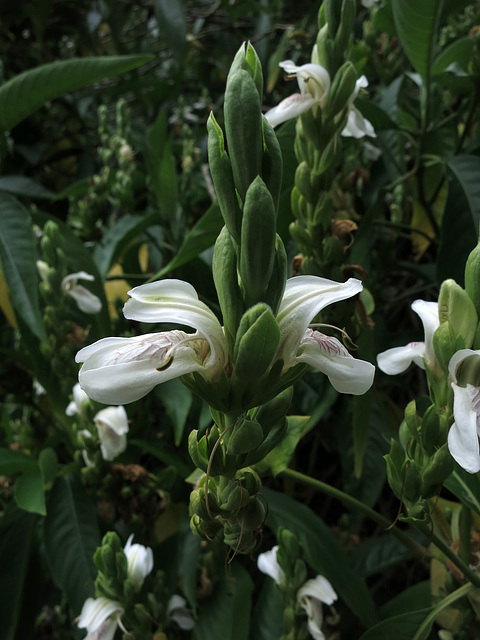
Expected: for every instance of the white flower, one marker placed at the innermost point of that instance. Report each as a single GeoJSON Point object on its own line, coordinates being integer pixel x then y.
{"type": "Point", "coordinates": [267, 563]}
{"type": "Point", "coordinates": [112, 426]}
{"type": "Point", "coordinates": [304, 298]}
{"type": "Point", "coordinates": [398, 359]}
{"type": "Point", "coordinates": [86, 301]}
{"type": "Point", "coordinates": [100, 617]}
{"type": "Point", "coordinates": [122, 370]}
{"type": "Point", "coordinates": [314, 84]}
{"type": "Point", "coordinates": [178, 611]}
{"type": "Point", "coordinates": [79, 403]}
{"type": "Point", "coordinates": [368, 3]}
{"type": "Point", "coordinates": [463, 434]}
{"type": "Point", "coordinates": [310, 597]}
{"type": "Point", "coordinates": [139, 561]}
{"type": "Point", "coordinates": [357, 126]}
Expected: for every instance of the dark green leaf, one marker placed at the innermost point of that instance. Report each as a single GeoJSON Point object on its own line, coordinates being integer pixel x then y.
{"type": "Point", "coordinates": [200, 238]}
{"type": "Point", "coordinates": [171, 22]}
{"type": "Point", "coordinates": [227, 614]}
{"type": "Point", "coordinates": [416, 22]}
{"type": "Point", "coordinates": [71, 538]}
{"type": "Point", "coordinates": [267, 622]}
{"type": "Point", "coordinates": [26, 187]}
{"type": "Point", "coordinates": [279, 458]}
{"type": "Point", "coordinates": [459, 231]}
{"type": "Point", "coordinates": [177, 400]}
{"type": "Point", "coordinates": [377, 554]}
{"type": "Point", "coordinates": [458, 53]}
{"type": "Point", "coordinates": [30, 492]}
{"type": "Point", "coordinates": [12, 462]}
{"type": "Point", "coordinates": [27, 92]}
{"type": "Point", "coordinates": [17, 530]}
{"type": "Point", "coordinates": [159, 451]}
{"type": "Point", "coordinates": [401, 627]}
{"type": "Point", "coordinates": [418, 596]}
{"type": "Point", "coordinates": [322, 551]}
{"type": "Point", "coordinates": [188, 565]}
{"type": "Point", "coordinates": [380, 120]}
{"type": "Point", "coordinates": [17, 257]}
{"type": "Point", "coordinates": [466, 486]}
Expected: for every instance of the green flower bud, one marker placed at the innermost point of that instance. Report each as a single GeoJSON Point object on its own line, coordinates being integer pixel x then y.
{"type": "Point", "coordinates": [247, 59]}
{"type": "Point", "coordinates": [472, 278]}
{"type": "Point", "coordinates": [302, 181]}
{"type": "Point", "coordinates": [272, 164]}
{"type": "Point", "coordinates": [257, 250]}
{"type": "Point", "coordinates": [299, 205]}
{"type": "Point", "coordinates": [224, 268]}
{"type": "Point", "coordinates": [437, 471]}
{"type": "Point", "coordinates": [343, 86]}
{"type": "Point", "coordinates": [276, 287]}
{"type": "Point", "coordinates": [395, 460]}
{"type": "Point", "coordinates": [332, 250]}
{"type": "Point", "coordinates": [231, 499]}
{"type": "Point", "coordinates": [246, 435]}
{"type": "Point", "coordinates": [254, 515]}
{"type": "Point", "coordinates": [445, 343]}
{"type": "Point", "coordinates": [121, 566]}
{"type": "Point", "coordinates": [411, 418]}
{"type": "Point", "coordinates": [222, 177]}
{"type": "Point", "coordinates": [456, 308]}
{"type": "Point", "coordinates": [271, 412]}
{"type": "Point", "coordinates": [107, 587]}
{"type": "Point", "coordinates": [198, 450]}
{"type": "Point", "coordinates": [299, 576]}
{"type": "Point", "coordinates": [347, 18]}
{"type": "Point", "coordinates": [243, 126]}
{"type": "Point", "coordinates": [431, 430]}
{"type": "Point", "coordinates": [301, 236]}
{"type": "Point", "coordinates": [323, 213]}
{"type": "Point", "coordinates": [250, 480]}
{"type": "Point", "coordinates": [412, 481]}
{"type": "Point", "coordinates": [324, 47]}
{"type": "Point", "coordinates": [332, 15]}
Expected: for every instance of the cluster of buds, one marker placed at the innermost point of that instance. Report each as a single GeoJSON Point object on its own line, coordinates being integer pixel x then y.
{"type": "Point", "coordinates": [244, 369]}
{"type": "Point", "coordinates": [325, 106]}
{"type": "Point", "coordinates": [110, 190]}
{"type": "Point", "coordinates": [285, 565]}
{"type": "Point", "coordinates": [432, 437]}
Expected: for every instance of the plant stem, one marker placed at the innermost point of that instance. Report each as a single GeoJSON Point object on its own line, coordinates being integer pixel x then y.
{"type": "Point", "coordinates": [446, 602]}
{"type": "Point", "coordinates": [417, 549]}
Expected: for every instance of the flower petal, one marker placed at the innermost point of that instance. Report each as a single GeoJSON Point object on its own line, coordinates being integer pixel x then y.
{"type": "Point", "coordinates": [358, 126]}
{"type": "Point", "coordinates": [428, 313]}
{"type": "Point", "coordinates": [112, 425]}
{"type": "Point", "coordinates": [457, 358]}
{"type": "Point", "coordinates": [176, 301]}
{"type": "Point", "coordinates": [178, 612]}
{"type": "Point", "coordinates": [96, 610]}
{"type": "Point", "coordinates": [463, 434]}
{"type": "Point", "coordinates": [85, 299]}
{"type": "Point", "coordinates": [139, 561]}
{"type": "Point", "coordinates": [304, 297]}
{"type": "Point", "coordinates": [122, 370]}
{"type": "Point", "coordinates": [267, 564]}
{"type": "Point", "coordinates": [312, 78]}
{"type": "Point", "coordinates": [318, 588]}
{"type": "Point", "coordinates": [328, 355]}
{"type": "Point", "coordinates": [291, 107]}
{"type": "Point", "coordinates": [398, 359]}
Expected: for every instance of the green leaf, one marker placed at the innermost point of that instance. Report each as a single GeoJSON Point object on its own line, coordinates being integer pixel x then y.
{"type": "Point", "coordinates": [418, 596]}
{"type": "Point", "coordinates": [26, 187]}
{"type": "Point", "coordinates": [227, 614]}
{"type": "Point", "coordinates": [17, 257]}
{"type": "Point", "coordinates": [159, 451]}
{"type": "Point", "coordinates": [279, 458]}
{"type": "Point", "coordinates": [17, 533]}
{"type": "Point", "coordinates": [377, 554]}
{"type": "Point", "coordinates": [118, 237]}
{"type": "Point", "coordinates": [200, 238]}
{"type": "Point", "coordinates": [27, 92]}
{"type": "Point", "coordinates": [30, 493]}
{"type": "Point", "coordinates": [12, 462]}
{"type": "Point", "coordinates": [177, 400]}
{"type": "Point", "coordinates": [267, 620]}
{"type": "Point", "coordinates": [458, 53]}
{"type": "Point", "coordinates": [172, 24]}
{"type": "Point", "coordinates": [401, 627]}
{"type": "Point", "coordinates": [459, 231]}
{"type": "Point", "coordinates": [322, 551]}
{"type": "Point", "coordinates": [416, 22]}
{"type": "Point", "coordinates": [380, 120]}
{"type": "Point", "coordinates": [466, 486]}
{"type": "Point", "coordinates": [188, 564]}
{"type": "Point", "coordinates": [71, 538]}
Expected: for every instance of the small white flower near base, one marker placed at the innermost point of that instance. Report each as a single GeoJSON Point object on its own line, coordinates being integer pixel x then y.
{"type": "Point", "coordinates": [85, 299]}
{"type": "Point", "coordinates": [139, 561]}
{"type": "Point", "coordinates": [178, 611]}
{"type": "Point", "coordinates": [310, 597]}
{"type": "Point", "coordinates": [79, 403]}
{"type": "Point", "coordinates": [112, 426]}
{"type": "Point", "coordinates": [357, 125]}
{"type": "Point", "coordinates": [100, 617]}
{"type": "Point", "coordinates": [267, 563]}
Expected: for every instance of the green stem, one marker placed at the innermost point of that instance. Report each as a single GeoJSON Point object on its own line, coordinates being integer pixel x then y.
{"type": "Point", "coordinates": [424, 628]}
{"type": "Point", "coordinates": [349, 501]}
{"type": "Point", "coordinates": [451, 555]}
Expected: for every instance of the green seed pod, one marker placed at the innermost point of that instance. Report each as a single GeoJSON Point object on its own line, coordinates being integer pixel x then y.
{"type": "Point", "coordinates": [222, 177]}
{"type": "Point", "coordinates": [243, 126]}
{"type": "Point", "coordinates": [257, 250]}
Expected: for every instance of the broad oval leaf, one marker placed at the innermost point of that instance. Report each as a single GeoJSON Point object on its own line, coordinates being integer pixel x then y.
{"type": "Point", "coordinates": [27, 92]}
{"type": "Point", "coordinates": [416, 22]}
{"type": "Point", "coordinates": [71, 537]}
{"type": "Point", "coordinates": [401, 627]}
{"type": "Point", "coordinates": [17, 258]}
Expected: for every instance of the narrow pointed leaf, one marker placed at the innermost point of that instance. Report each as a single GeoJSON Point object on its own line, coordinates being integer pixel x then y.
{"type": "Point", "coordinates": [27, 92]}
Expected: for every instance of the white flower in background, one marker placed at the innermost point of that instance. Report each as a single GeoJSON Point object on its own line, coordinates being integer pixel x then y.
{"type": "Point", "coordinates": [310, 597]}
{"type": "Point", "coordinates": [100, 617]}
{"type": "Point", "coordinates": [178, 611]}
{"type": "Point", "coordinates": [304, 298]}
{"type": "Point", "coordinates": [398, 359]}
{"type": "Point", "coordinates": [357, 126]}
{"type": "Point", "coordinates": [139, 561]}
{"type": "Point", "coordinates": [463, 434]}
{"type": "Point", "coordinates": [122, 370]}
{"type": "Point", "coordinates": [112, 426]}
{"type": "Point", "coordinates": [314, 84]}
{"type": "Point", "coordinates": [368, 3]}
{"type": "Point", "coordinates": [267, 563]}
{"type": "Point", "coordinates": [86, 301]}
{"type": "Point", "coordinates": [79, 403]}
